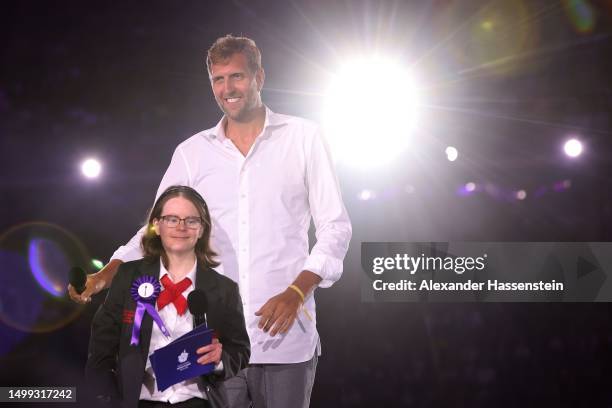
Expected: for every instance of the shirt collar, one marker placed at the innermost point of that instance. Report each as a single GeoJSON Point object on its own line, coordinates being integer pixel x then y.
{"type": "Point", "coordinates": [272, 119]}
{"type": "Point", "coordinates": [191, 275]}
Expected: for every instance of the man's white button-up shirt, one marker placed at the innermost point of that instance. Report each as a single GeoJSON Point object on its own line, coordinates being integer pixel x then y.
{"type": "Point", "coordinates": [261, 206]}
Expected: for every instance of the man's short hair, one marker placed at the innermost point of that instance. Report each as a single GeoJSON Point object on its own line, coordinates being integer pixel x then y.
{"type": "Point", "coordinates": [225, 47]}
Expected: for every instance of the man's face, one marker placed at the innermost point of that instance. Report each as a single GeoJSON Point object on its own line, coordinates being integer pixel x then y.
{"type": "Point", "coordinates": [236, 88]}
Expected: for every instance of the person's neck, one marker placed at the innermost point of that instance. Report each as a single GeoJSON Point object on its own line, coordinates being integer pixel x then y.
{"type": "Point", "coordinates": [180, 264]}
{"type": "Point", "coordinates": [245, 131]}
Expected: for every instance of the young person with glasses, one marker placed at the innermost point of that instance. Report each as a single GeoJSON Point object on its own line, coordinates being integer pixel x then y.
{"type": "Point", "coordinates": [177, 254]}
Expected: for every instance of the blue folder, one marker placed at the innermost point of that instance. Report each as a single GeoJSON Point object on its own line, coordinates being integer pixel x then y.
{"type": "Point", "coordinates": [178, 361]}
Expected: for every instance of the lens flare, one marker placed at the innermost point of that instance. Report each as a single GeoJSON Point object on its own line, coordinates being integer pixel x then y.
{"type": "Point", "coordinates": [35, 259]}
{"type": "Point", "coordinates": [49, 265]}
{"type": "Point", "coordinates": [486, 38]}
{"type": "Point", "coordinates": [581, 14]}
{"type": "Point", "coordinates": [97, 264]}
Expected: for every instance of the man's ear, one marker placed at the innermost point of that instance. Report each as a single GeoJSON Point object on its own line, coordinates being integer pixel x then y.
{"type": "Point", "coordinates": [260, 77]}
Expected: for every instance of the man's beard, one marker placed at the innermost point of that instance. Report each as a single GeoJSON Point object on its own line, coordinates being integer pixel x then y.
{"type": "Point", "coordinates": [243, 114]}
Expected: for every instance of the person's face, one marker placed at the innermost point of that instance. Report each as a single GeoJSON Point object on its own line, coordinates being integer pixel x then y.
{"type": "Point", "coordinates": [236, 88]}
{"type": "Point", "coordinates": [180, 238]}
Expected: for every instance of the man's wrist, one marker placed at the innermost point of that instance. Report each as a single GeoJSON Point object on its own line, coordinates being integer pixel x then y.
{"type": "Point", "coordinates": [105, 275]}
{"type": "Point", "coordinates": [305, 283]}
{"type": "Point", "coordinates": [294, 295]}
{"type": "Point", "coordinates": [297, 291]}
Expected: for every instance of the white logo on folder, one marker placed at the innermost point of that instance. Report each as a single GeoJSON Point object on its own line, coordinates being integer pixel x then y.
{"type": "Point", "coordinates": [183, 356]}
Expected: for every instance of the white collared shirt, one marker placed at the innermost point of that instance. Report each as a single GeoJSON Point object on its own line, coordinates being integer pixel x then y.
{"type": "Point", "coordinates": [261, 206]}
{"type": "Point", "coordinates": [177, 326]}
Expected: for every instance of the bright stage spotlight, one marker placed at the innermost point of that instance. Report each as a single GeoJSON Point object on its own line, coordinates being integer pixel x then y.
{"type": "Point", "coordinates": [366, 195]}
{"type": "Point", "coordinates": [91, 168]}
{"type": "Point", "coordinates": [573, 148]}
{"type": "Point", "coordinates": [369, 112]}
{"type": "Point", "coordinates": [451, 153]}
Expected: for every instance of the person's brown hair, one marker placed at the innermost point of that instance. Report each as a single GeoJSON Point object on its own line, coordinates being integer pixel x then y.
{"type": "Point", "coordinates": [224, 47]}
{"type": "Point", "coordinates": [151, 243]}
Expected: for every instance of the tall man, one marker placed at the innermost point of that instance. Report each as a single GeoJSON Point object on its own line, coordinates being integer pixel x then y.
{"type": "Point", "coordinates": [264, 175]}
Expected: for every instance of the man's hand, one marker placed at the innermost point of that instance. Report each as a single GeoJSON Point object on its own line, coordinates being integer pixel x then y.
{"type": "Point", "coordinates": [95, 282]}
{"type": "Point", "coordinates": [279, 312]}
{"type": "Point", "coordinates": [212, 352]}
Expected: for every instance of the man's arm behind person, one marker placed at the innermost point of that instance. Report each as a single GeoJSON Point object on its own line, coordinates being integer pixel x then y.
{"type": "Point", "coordinates": [96, 282]}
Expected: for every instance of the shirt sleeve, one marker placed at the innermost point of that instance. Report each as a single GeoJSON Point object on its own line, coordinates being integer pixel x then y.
{"type": "Point", "coordinates": [178, 173]}
{"type": "Point", "coordinates": [332, 223]}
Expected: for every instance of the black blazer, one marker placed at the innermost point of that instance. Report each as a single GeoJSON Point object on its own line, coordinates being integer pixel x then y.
{"type": "Point", "coordinates": [115, 370]}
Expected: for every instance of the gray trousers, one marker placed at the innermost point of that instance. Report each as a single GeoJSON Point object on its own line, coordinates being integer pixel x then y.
{"type": "Point", "coordinates": [272, 385]}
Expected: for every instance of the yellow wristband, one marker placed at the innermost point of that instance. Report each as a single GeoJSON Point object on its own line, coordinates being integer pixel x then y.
{"type": "Point", "coordinates": [299, 291]}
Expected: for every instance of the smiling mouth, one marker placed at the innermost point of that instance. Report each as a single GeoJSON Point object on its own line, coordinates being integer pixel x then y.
{"type": "Point", "coordinates": [232, 100]}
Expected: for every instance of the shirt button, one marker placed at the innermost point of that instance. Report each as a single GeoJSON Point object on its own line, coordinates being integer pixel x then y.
{"type": "Point", "coordinates": [243, 195]}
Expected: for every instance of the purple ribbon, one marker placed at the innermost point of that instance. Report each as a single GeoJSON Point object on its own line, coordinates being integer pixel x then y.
{"type": "Point", "coordinates": [145, 291]}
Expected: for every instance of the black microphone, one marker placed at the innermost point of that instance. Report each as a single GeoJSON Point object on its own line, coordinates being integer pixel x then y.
{"type": "Point", "coordinates": [77, 278]}
{"type": "Point", "coordinates": [198, 306]}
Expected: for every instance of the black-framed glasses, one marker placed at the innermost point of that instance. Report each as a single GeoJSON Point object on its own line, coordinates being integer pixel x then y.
{"type": "Point", "coordinates": [173, 221]}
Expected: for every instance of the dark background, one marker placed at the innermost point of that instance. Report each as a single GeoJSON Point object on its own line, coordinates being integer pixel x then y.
{"type": "Point", "coordinates": [126, 82]}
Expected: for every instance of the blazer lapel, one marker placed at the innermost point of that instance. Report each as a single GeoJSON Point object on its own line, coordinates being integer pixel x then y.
{"type": "Point", "coordinates": [205, 282]}
{"type": "Point", "coordinates": [134, 358]}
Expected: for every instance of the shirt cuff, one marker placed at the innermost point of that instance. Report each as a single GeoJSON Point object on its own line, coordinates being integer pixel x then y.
{"type": "Point", "coordinates": [130, 251]}
{"type": "Point", "coordinates": [327, 267]}
{"type": "Point", "coordinates": [127, 254]}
